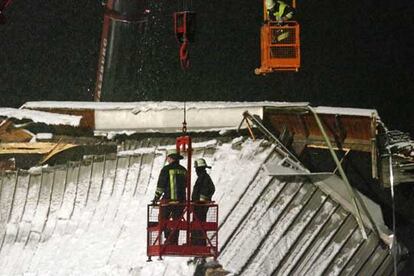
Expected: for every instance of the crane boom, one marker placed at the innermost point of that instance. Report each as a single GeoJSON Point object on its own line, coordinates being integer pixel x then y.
{"type": "Point", "coordinates": [3, 5]}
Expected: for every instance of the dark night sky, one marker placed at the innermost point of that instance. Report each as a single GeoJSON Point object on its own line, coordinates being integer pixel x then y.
{"type": "Point", "coordinates": [354, 54]}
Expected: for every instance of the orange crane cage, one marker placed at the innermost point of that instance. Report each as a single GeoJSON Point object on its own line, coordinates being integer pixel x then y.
{"type": "Point", "coordinates": [280, 45]}
{"type": "Point", "coordinates": [189, 234]}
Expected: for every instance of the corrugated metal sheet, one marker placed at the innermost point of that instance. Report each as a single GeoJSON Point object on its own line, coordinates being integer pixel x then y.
{"type": "Point", "coordinates": [268, 225]}
{"type": "Point", "coordinates": [296, 229]}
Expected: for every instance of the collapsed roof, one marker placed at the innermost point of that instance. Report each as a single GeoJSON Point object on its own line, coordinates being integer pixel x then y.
{"type": "Point", "coordinates": [59, 218]}
{"type": "Point", "coordinates": [276, 216]}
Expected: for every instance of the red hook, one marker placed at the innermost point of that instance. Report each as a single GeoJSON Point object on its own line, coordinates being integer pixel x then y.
{"type": "Point", "coordinates": [185, 61]}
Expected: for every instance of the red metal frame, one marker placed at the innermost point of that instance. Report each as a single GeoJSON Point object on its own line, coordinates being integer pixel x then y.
{"type": "Point", "coordinates": [158, 246]}
{"type": "Point", "coordinates": [273, 57]}
{"type": "Point", "coordinates": [187, 224]}
{"type": "Point", "coordinates": [271, 61]}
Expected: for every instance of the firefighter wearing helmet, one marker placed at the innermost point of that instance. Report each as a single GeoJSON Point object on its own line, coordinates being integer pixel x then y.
{"type": "Point", "coordinates": [202, 193]}
{"type": "Point", "coordinates": [171, 191]}
{"type": "Point", "coordinates": [279, 11]}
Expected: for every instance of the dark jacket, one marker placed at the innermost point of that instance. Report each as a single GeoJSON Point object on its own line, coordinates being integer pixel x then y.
{"type": "Point", "coordinates": [203, 188]}
{"type": "Point", "coordinates": [281, 9]}
{"type": "Point", "coordinates": [171, 183]}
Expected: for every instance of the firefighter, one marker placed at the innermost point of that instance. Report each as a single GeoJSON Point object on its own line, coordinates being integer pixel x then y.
{"type": "Point", "coordinates": [279, 11]}
{"type": "Point", "coordinates": [171, 190]}
{"type": "Point", "coordinates": [202, 193]}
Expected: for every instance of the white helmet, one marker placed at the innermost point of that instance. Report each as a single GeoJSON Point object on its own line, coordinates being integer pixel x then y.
{"type": "Point", "coordinates": [270, 4]}
{"type": "Point", "coordinates": [201, 163]}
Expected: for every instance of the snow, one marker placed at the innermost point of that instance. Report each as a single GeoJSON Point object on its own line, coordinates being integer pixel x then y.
{"type": "Point", "coordinates": [111, 118]}
{"type": "Point", "coordinates": [138, 107]}
{"type": "Point", "coordinates": [90, 219]}
{"type": "Point", "coordinates": [45, 136]}
{"type": "Point", "coordinates": [89, 223]}
{"type": "Point", "coordinates": [161, 149]}
{"type": "Point", "coordinates": [112, 134]}
{"type": "Point", "coordinates": [40, 116]}
{"type": "Point", "coordinates": [347, 111]}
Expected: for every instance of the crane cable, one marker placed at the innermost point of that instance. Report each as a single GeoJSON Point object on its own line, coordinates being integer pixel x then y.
{"type": "Point", "coordinates": [184, 129]}
{"type": "Point", "coordinates": [184, 58]}
{"type": "Point", "coordinates": [186, 5]}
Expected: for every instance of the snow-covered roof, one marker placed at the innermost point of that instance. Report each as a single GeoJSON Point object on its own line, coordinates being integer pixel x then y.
{"type": "Point", "coordinates": [40, 116]}
{"type": "Point", "coordinates": [170, 105]}
{"type": "Point", "coordinates": [89, 217]}
{"type": "Point", "coordinates": [111, 118]}
{"type": "Point", "coordinates": [347, 111]}
{"type": "Point", "coordinates": [149, 105]}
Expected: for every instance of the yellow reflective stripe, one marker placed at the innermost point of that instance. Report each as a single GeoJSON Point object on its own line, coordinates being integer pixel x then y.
{"type": "Point", "coordinates": [279, 13]}
{"type": "Point", "coordinates": [283, 36]}
{"type": "Point", "coordinates": [204, 198]}
{"type": "Point", "coordinates": [173, 192]}
{"type": "Point", "coordinates": [177, 171]}
{"type": "Point", "coordinates": [173, 176]}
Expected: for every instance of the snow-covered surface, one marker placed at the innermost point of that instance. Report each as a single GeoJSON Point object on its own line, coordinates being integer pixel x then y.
{"type": "Point", "coordinates": [335, 187]}
{"type": "Point", "coordinates": [89, 218]}
{"type": "Point", "coordinates": [138, 107]}
{"type": "Point", "coordinates": [111, 134]}
{"type": "Point", "coordinates": [169, 118]}
{"type": "Point", "coordinates": [117, 118]}
{"type": "Point", "coordinates": [111, 118]}
{"type": "Point", "coordinates": [40, 116]}
{"type": "Point", "coordinates": [154, 106]}
{"type": "Point", "coordinates": [347, 111]}
{"type": "Point", "coordinates": [44, 136]}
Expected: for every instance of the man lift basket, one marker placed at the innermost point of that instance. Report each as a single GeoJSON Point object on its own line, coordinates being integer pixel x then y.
{"type": "Point", "coordinates": [279, 45]}
{"type": "Point", "coordinates": [186, 225]}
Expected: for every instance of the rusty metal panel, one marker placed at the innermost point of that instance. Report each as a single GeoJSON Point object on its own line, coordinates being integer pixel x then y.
{"type": "Point", "coordinates": [344, 131]}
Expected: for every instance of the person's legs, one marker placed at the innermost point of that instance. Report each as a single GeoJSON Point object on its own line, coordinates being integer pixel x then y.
{"type": "Point", "coordinates": [176, 214]}
{"type": "Point", "coordinates": [197, 236]}
{"type": "Point", "coordinates": [165, 215]}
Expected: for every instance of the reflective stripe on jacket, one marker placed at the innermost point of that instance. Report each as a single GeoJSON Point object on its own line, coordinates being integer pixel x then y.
{"type": "Point", "coordinates": [173, 174]}
{"type": "Point", "coordinates": [279, 14]}
{"type": "Point", "coordinates": [171, 183]}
